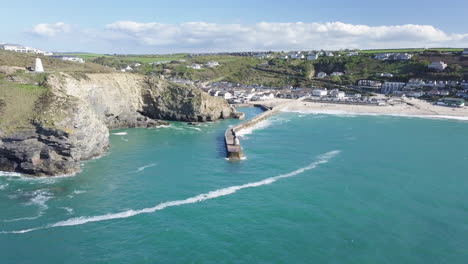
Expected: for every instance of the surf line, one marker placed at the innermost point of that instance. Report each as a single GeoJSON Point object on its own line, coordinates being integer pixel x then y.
{"type": "Point", "coordinates": [324, 158]}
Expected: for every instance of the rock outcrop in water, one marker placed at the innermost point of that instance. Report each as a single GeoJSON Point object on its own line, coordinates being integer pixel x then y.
{"type": "Point", "coordinates": [72, 120]}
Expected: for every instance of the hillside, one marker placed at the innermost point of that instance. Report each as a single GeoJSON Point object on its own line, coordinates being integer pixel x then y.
{"type": "Point", "coordinates": [52, 121]}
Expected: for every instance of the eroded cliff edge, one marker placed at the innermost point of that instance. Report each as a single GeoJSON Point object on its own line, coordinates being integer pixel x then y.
{"type": "Point", "coordinates": [69, 122]}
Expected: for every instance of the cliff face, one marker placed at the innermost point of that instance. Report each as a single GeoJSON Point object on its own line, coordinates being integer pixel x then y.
{"type": "Point", "coordinates": [73, 119]}
{"type": "Point", "coordinates": [163, 100]}
{"type": "Point", "coordinates": [66, 133]}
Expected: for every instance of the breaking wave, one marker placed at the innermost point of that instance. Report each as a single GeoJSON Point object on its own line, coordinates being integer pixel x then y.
{"type": "Point", "coordinates": [142, 168]}
{"type": "Point", "coordinates": [260, 125]}
{"type": "Point", "coordinates": [195, 199]}
{"type": "Point", "coordinates": [120, 133]}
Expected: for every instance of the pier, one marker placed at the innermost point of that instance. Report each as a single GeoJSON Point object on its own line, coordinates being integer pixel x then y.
{"type": "Point", "coordinates": [232, 142]}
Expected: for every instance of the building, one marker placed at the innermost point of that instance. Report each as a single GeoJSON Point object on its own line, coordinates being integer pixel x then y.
{"type": "Point", "coordinates": [370, 83]}
{"type": "Point", "coordinates": [438, 65]}
{"type": "Point", "coordinates": [451, 102]}
{"type": "Point", "coordinates": [195, 66]}
{"type": "Point", "coordinates": [321, 75]}
{"type": "Point", "coordinates": [22, 49]}
{"type": "Point", "coordinates": [390, 87]}
{"type": "Point", "coordinates": [262, 56]}
{"type": "Point", "coordinates": [337, 74]}
{"type": "Point", "coordinates": [284, 57]}
{"type": "Point", "coordinates": [319, 92]}
{"type": "Point", "coordinates": [312, 56]}
{"type": "Point", "coordinates": [402, 56]}
{"type": "Point", "coordinates": [329, 54]}
{"type": "Point", "coordinates": [393, 56]}
{"type": "Point", "coordinates": [212, 64]}
{"type": "Point", "coordinates": [225, 95]}
{"type": "Point", "coordinates": [385, 74]}
{"type": "Point", "coordinates": [337, 94]}
{"type": "Point", "coordinates": [296, 56]}
{"type": "Point", "coordinates": [69, 58]}
{"type": "Point", "coordinates": [382, 56]}
{"type": "Point", "coordinates": [352, 53]}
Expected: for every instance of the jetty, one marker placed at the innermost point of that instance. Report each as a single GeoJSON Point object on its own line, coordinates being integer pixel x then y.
{"type": "Point", "coordinates": [232, 142]}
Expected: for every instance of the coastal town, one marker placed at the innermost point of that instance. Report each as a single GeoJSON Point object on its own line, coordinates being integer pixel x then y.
{"type": "Point", "coordinates": [379, 91]}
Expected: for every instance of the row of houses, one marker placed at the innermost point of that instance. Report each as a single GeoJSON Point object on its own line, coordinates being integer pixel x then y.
{"type": "Point", "coordinates": [23, 49]}
{"type": "Point", "coordinates": [393, 56]}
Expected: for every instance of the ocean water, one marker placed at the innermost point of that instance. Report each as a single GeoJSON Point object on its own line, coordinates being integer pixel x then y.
{"type": "Point", "coordinates": [313, 189]}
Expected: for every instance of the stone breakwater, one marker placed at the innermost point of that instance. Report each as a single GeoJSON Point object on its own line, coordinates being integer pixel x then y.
{"type": "Point", "coordinates": [72, 121]}
{"type": "Point", "coordinates": [232, 142]}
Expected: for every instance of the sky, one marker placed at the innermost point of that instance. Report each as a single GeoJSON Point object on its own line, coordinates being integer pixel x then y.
{"type": "Point", "coordinates": [171, 26]}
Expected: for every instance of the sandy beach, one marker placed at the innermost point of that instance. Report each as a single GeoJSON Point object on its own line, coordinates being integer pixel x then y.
{"type": "Point", "coordinates": [409, 107]}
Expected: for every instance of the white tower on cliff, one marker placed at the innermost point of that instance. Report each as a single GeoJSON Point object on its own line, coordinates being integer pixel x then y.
{"type": "Point", "coordinates": [38, 66]}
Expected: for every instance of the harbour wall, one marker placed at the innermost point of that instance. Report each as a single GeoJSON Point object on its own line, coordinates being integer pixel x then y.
{"type": "Point", "coordinates": [232, 142]}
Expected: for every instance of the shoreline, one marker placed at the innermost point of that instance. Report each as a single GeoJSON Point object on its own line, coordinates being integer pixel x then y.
{"type": "Point", "coordinates": [409, 108]}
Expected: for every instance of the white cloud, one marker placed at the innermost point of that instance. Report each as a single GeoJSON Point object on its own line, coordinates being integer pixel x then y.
{"type": "Point", "coordinates": [135, 37]}
{"type": "Point", "coordinates": [50, 30]}
{"type": "Point", "coordinates": [281, 36]}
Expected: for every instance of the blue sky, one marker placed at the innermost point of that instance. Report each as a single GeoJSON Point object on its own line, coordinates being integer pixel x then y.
{"type": "Point", "coordinates": [163, 26]}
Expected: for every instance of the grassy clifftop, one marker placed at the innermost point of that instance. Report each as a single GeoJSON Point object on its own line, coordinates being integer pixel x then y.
{"type": "Point", "coordinates": [19, 105]}
{"type": "Point", "coordinates": [50, 64]}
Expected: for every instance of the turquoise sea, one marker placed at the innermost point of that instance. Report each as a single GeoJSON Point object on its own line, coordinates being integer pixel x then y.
{"type": "Point", "coordinates": [313, 189]}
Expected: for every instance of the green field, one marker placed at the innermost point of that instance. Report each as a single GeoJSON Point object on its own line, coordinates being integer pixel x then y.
{"type": "Point", "coordinates": [130, 58]}
{"type": "Point", "coordinates": [409, 50]}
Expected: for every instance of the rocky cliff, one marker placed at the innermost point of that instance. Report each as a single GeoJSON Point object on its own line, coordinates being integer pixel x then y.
{"type": "Point", "coordinates": [71, 121]}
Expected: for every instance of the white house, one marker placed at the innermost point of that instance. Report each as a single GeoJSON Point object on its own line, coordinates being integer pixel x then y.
{"type": "Point", "coordinates": [128, 68]}
{"type": "Point", "coordinates": [319, 92]}
{"type": "Point", "coordinates": [225, 95]}
{"type": "Point", "coordinates": [195, 66]}
{"type": "Point", "coordinates": [337, 94]}
{"type": "Point", "coordinates": [337, 74]}
{"type": "Point", "coordinates": [438, 65]}
{"type": "Point", "coordinates": [284, 57]}
{"type": "Point", "coordinates": [212, 64]}
{"type": "Point", "coordinates": [329, 54]}
{"type": "Point", "coordinates": [370, 83]}
{"type": "Point", "coordinates": [21, 49]}
{"type": "Point", "coordinates": [297, 56]}
{"type": "Point", "coordinates": [384, 74]}
{"type": "Point", "coordinates": [68, 58]}
{"type": "Point", "coordinates": [321, 75]}
{"type": "Point", "coordinates": [382, 56]}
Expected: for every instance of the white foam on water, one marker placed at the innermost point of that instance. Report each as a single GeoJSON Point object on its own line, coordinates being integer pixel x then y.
{"type": "Point", "coordinates": [142, 168]}
{"type": "Point", "coordinates": [260, 125]}
{"type": "Point", "coordinates": [9, 174]}
{"type": "Point", "coordinates": [78, 192]}
{"type": "Point", "coordinates": [40, 198]}
{"type": "Point", "coordinates": [195, 128]}
{"type": "Point", "coordinates": [68, 209]}
{"type": "Point", "coordinates": [120, 133]}
{"type": "Point", "coordinates": [23, 218]}
{"type": "Point", "coordinates": [124, 139]}
{"type": "Point", "coordinates": [195, 199]}
{"type": "Point", "coordinates": [44, 180]}
{"type": "Point", "coordinates": [3, 186]}
{"type": "Point", "coordinates": [354, 114]}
